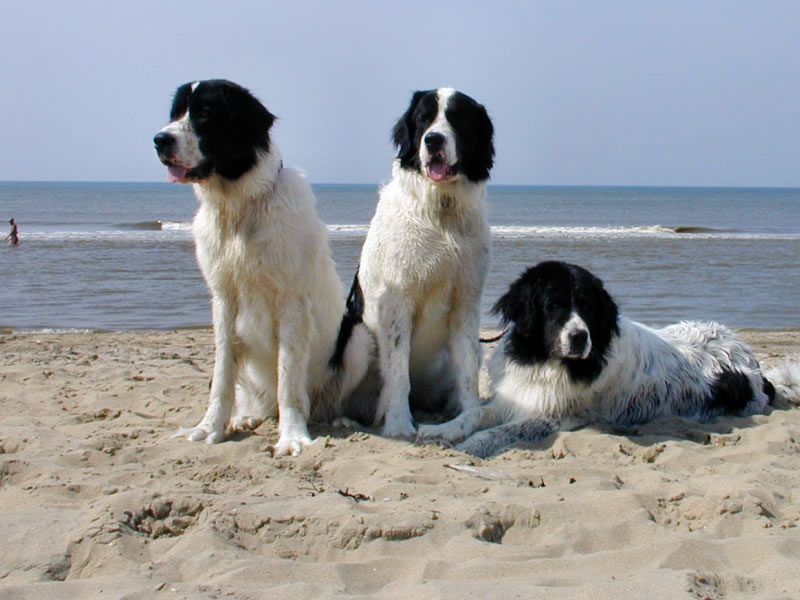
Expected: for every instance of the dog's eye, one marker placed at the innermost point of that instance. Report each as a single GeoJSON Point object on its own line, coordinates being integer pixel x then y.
{"type": "Point", "coordinates": [552, 305]}
{"type": "Point", "coordinates": [425, 116]}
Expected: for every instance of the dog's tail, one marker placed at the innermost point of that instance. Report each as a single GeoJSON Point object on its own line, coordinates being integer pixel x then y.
{"type": "Point", "coordinates": [353, 316]}
{"type": "Point", "coordinates": [355, 345]}
{"type": "Point", "coordinates": [786, 381]}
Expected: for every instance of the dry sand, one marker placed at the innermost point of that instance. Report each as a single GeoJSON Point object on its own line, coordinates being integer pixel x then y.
{"type": "Point", "coordinates": [97, 501]}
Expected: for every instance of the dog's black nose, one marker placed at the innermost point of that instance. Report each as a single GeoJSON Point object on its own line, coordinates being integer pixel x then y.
{"type": "Point", "coordinates": [578, 339]}
{"type": "Point", "coordinates": [163, 141]}
{"type": "Point", "coordinates": [434, 141]}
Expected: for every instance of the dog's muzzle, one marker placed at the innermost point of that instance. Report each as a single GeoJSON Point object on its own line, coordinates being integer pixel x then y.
{"type": "Point", "coordinates": [578, 345]}
{"type": "Point", "coordinates": [575, 340]}
{"type": "Point", "coordinates": [166, 145]}
{"type": "Point", "coordinates": [437, 167]}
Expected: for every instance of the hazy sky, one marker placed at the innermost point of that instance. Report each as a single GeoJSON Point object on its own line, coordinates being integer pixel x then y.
{"type": "Point", "coordinates": [666, 92]}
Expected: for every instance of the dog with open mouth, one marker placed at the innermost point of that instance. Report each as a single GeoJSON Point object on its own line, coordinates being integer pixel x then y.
{"type": "Point", "coordinates": [425, 260]}
{"type": "Point", "coordinates": [282, 345]}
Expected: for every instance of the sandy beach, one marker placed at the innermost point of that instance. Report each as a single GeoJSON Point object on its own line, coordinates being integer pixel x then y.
{"type": "Point", "coordinates": [98, 501]}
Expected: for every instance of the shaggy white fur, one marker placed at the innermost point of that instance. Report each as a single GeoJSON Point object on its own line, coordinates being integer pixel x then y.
{"type": "Point", "coordinates": [692, 369]}
{"type": "Point", "coordinates": [276, 298]}
{"type": "Point", "coordinates": [422, 271]}
{"type": "Point", "coordinates": [425, 259]}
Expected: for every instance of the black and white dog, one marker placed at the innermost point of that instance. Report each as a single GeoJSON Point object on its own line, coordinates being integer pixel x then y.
{"type": "Point", "coordinates": [425, 259]}
{"type": "Point", "coordinates": [568, 358]}
{"type": "Point", "coordinates": [276, 298]}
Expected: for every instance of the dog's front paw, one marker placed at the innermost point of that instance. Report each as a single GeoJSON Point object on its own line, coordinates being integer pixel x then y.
{"type": "Point", "coordinates": [202, 432]}
{"type": "Point", "coordinates": [443, 432]}
{"type": "Point", "coordinates": [478, 445]}
{"type": "Point", "coordinates": [291, 444]}
{"type": "Point", "coordinates": [345, 423]}
{"type": "Point", "coordinates": [399, 428]}
{"type": "Point", "coordinates": [241, 423]}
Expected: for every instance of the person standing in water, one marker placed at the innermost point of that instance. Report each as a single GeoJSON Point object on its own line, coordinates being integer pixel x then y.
{"type": "Point", "coordinates": [13, 237]}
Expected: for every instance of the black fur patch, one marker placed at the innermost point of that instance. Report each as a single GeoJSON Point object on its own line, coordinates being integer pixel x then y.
{"type": "Point", "coordinates": [180, 102]}
{"type": "Point", "coordinates": [730, 393]}
{"type": "Point", "coordinates": [769, 390]}
{"type": "Point", "coordinates": [353, 315]}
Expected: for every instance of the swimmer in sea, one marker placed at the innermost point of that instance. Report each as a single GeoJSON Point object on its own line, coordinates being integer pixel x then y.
{"type": "Point", "coordinates": [13, 237]}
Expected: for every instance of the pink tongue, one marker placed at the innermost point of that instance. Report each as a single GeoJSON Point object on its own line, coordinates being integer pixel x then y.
{"type": "Point", "coordinates": [438, 171]}
{"type": "Point", "coordinates": [176, 173]}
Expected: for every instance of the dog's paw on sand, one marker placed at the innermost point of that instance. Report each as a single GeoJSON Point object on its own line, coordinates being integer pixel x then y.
{"type": "Point", "coordinates": [243, 423]}
{"type": "Point", "coordinates": [291, 445]}
{"type": "Point", "coordinates": [201, 433]}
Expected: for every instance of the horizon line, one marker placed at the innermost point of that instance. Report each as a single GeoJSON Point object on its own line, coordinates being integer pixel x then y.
{"type": "Point", "coordinates": [490, 184]}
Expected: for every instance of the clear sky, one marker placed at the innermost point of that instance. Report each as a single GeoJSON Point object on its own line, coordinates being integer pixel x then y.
{"type": "Point", "coordinates": [672, 92]}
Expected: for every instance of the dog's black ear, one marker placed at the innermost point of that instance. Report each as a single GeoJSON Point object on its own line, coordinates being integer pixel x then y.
{"type": "Point", "coordinates": [606, 317]}
{"type": "Point", "coordinates": [507, 308]}
{"type": "Point", "coordinates": [596, 306]}
{"type": "Point", "coordinates": [475, 140]}
{"type": "Point", "coordinates": [404, 134]}
{"type": "Point", "coordinates": [233, 126]}
{"type": "Point", "coordinates": [180, 102]}
{"type": "Point", "coordinates": [521, 317]}
{"type": "Point", "coordinates": [484, 158]}
{"type": "Point", "coordinates": [248, 116]}
{"type": "Point", "coordinates": [517, 307]}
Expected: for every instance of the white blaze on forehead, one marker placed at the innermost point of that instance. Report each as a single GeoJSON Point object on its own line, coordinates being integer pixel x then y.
{"type": "Point", "coordinates": [443, 97]}
{"type": "Point", "coordinates": [441, 125]}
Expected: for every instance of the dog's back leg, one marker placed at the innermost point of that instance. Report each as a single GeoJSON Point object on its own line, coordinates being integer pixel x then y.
{"type": "Point", "coordinates": [255, 397]}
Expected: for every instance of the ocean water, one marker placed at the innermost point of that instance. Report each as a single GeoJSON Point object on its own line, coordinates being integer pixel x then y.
{"type": "Point", "coordinates": [119, 256]}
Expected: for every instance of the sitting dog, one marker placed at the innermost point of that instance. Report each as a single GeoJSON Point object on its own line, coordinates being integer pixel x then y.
{"type": "Point", "coordinates": [568, 358]}
{"type": "Point", "coordinates": [425, 259]}
{"type": "Point", "coordinates": [276, 298]}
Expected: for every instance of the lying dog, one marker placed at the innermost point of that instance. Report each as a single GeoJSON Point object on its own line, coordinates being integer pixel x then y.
{"type": "Point", "coordinates": [425, 259]}
{"type": "Point", "coordinates": [568, 358]}
{"type": "Point", "coordinates": [276, 298]}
